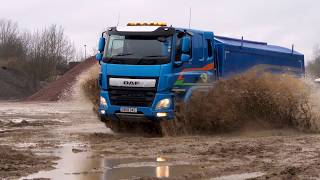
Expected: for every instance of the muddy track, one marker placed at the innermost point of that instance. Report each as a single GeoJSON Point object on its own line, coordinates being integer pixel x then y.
{"type": "Point", "coordinates": [67, 139]}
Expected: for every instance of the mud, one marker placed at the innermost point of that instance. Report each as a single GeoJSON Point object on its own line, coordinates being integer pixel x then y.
{"type": "Point", "coordinates": [66, 140]}
{"type": "Point", "coordinates": [253, 100]}
{"type": "Point", "coordinates": [89, 87]}
{"type": "Point", "coordinates": [12, 161]}
{"type": "Point", "coordinates": [78, 146]}
{"type": "Point", "coordinates": [250, 101]}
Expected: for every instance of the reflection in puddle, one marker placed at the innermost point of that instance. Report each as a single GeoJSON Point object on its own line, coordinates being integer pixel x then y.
{"type": "Point", "coordinates": [240, 176]}
{"type": "Point", "coordinates": [161, 159]}
{"type": "Point", "coordinates": [83, 165]}
{"type": "Point", "coordinates": [129, 168]}
{"type": "Point", "coordinates": [162, 171]}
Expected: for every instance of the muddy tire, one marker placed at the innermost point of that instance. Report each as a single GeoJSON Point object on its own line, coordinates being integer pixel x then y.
{"type": "Point", "coordinates": [174, 127]}
{"type": "Point", "coordinates": [103, 118]}
{"type": "Point", "coordinates": [123, 126]}
{"type": "Point", "coordinates": [147, 128]}
{"type": "Point", "coordinates": [115, 126]}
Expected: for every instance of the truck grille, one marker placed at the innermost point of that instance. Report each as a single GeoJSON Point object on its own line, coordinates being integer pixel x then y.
{"type": "Point", "coordinates": [142, 98]}
{"type": "Point", "coordinates": [132, 96]}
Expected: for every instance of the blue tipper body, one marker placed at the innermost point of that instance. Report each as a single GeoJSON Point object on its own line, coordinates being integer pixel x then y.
{"type": "Point", "coordinates": [145, 73]}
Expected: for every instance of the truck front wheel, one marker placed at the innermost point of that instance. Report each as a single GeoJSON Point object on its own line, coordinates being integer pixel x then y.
{"type": "Point", "coordinates": [119, 126]}
{"type": "Point", "coordinates": [103, 118]}
{"type": "Point", "coordinates": [115, 126]}
{"type": "Point", "coordinates": [177, 125]}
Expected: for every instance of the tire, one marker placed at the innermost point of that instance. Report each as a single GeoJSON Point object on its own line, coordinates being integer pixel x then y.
{"type": "Point", "coordinates": [144, 128]}
{"type": "Point", "coordinates": [103, 118]}
{"type": "Point", "coordinates": [174, 127]}
{"type": "Point", "coordinates": [115, 126]}
{"type": "Point", "coordinates": [119, 126]}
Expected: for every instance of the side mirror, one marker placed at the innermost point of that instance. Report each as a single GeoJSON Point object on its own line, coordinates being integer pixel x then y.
{"type": "Point", "coordinates": [186, 44]}
{"type": "Point", "coordinates": [185, 58]}
{"type": "Point", "coordinates": [99, 57]}
{"type": "Point", "coordinates": [102, 43]}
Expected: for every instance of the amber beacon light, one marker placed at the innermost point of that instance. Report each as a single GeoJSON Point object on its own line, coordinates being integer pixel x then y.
{"type": "Point", "coordinates": [147, 24]}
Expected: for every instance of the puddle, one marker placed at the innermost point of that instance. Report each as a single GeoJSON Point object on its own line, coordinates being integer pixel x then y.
{"type": "Point", "coordinates": [242, 176]}
{"type": "Point", "coordinates": [82, 165]}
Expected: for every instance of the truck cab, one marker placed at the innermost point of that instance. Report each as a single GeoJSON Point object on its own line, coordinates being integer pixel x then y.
{"type": "Point", "coordinates": [147, 68]}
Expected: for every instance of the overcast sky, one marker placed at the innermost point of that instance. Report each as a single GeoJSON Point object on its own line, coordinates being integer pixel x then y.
{"type": "Point", "coordinates": [279, 22]}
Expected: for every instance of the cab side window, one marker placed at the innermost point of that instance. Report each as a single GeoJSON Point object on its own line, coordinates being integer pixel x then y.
{"type": "Point", "coordinates": [199, 47]}
{"type": "Point", "coordinates": [179, 37]}
{"type": "Point", "coordinates": [210, 49]}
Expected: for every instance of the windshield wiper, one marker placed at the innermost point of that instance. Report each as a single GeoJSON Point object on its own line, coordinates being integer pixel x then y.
{"type": "Point", "coordinates": [154, 56]}
{"type": "Point", "coordinates": [151, 57]}
{"type": "Point", "coordinates": [116, 58]}
{"type": "Point", "coordinates": [123, 54]}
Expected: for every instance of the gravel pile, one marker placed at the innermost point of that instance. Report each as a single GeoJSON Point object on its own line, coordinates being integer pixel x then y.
{"type": "Point", "coordinates": [54, 90]}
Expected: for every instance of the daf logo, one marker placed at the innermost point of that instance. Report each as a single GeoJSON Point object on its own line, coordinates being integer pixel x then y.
{"type": "Point", "coordinates": [131, 83]}
{"type": "Point", "coordinates": [122, 82]}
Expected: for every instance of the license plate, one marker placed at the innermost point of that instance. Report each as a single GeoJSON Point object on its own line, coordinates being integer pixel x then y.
{"type": "Point", "coordinates": [128, 110]}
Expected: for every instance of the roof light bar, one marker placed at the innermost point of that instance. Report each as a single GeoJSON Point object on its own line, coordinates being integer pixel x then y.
{"type": "Point", "coordinates": [147, 24]}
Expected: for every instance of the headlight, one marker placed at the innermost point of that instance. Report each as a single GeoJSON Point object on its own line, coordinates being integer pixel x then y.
{"type": "Point", "coordinates": [162, 114]}
{"type": "Point", "coordinates": [164, 103]}
{"type": "Point", "coordinates": [103, 101]}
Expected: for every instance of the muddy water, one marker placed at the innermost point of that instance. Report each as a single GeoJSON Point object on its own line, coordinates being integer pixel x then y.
{"type": "Point", "coordinates": [83, 166]}
{"type": "Point", "coordinates": [240, 176]}
{"type": "Point", "coordinates": [88, 150]}
{"type": "Point", "coordinates": [77, 159]}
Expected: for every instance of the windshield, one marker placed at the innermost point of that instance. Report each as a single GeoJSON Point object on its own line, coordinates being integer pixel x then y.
{"type": "Point", "coordinates": [137, 50]}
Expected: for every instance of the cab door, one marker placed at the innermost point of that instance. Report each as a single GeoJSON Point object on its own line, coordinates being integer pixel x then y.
{"type": "Point", "coordinates": [179, 74]}
{"type": "Point", "coordinates": [200, 65]}
{"type": "Point", "coordinates": [210, 59]}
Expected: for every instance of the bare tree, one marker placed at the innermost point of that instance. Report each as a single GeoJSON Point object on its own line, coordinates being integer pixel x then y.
{"type": "Point", "coordinates": [41, 55]}
{"type": "Point", "coordinates": [313, 67]}
{"type": "Point", "coordinates": [10, 41]}
{"type": "Point", "coordinates": [49, 52]}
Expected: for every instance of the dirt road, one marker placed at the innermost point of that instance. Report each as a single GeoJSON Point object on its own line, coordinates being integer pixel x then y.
{"type": "Point", "coordinates": [65, 140]}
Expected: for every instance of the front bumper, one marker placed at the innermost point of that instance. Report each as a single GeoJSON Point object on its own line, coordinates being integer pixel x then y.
{"type": "Point", "coordinates": [143, 113]}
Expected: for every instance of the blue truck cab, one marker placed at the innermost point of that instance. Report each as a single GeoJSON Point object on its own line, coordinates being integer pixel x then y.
{"type": "Point", "coordinates": [149, 68]}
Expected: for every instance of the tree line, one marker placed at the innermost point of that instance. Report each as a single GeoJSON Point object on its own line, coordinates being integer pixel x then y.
{"type": "Point", "coordinates": [41, 55]}
{"type": "Point", "coordinates": [45, 53]}
{"type": "Point", "coordinates": [313, 67]}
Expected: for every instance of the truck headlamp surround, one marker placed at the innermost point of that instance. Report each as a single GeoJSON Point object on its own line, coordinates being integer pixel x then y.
{"type": "Point", "coordinates": [103, 101]}
{"type": "Point", "coordinates": [164, 103]}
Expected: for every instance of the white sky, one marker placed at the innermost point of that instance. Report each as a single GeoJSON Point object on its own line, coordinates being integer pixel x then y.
{"type": "Point", "coordinates": [279, 22]}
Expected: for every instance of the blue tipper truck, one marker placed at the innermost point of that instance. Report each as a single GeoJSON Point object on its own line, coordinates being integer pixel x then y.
{"type": "Point", "coordinates": [147, 69]}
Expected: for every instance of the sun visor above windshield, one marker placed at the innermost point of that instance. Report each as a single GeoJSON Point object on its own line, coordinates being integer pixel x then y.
{"type": "Point", "coordinates": [137, 28]}
{"type": "Point", "coordinates": [142, 31]}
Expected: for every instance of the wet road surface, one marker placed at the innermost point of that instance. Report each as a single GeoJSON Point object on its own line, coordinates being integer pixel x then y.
{"type": "Point", "coordinates": [65, 140]}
